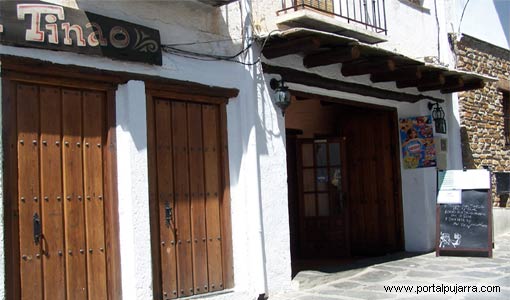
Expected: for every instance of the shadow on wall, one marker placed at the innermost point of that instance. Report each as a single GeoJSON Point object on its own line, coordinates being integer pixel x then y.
{"type": "Point", "coordinates": [503, 9]}
{"type": "Point", "coordinates": [467, 154]}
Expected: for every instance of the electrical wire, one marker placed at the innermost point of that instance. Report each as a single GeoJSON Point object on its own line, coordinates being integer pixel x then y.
{"type": "Point", "coordinates": [218, 57]}
{"type": "Point", "coordinates": [462, 16]}
{"type": "Point", "coordinates": [438, 32]}
{"type": "Point", "coordinates": [204, 42]}
{"type": "Point", "coordinates": [212, 57]}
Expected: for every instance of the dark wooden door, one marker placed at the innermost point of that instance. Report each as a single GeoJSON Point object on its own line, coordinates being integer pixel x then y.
{"type": "Point", "coordinates": [375, 212]}
{"type": "Point", "coordinates": [323, 198]}
{"type": "Point", "coordinates": [58, 139]}
{"type": "Point", "coordinates": [187, 188]}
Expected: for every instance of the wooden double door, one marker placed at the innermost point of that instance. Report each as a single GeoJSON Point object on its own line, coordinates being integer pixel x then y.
{"type": "Point", "coordinates": [348, 189]}
{"type": "Point", "coordinates": [188, 196]}
{"type": "Point", "coordinates": [376, 221]}
{"type": "Point", "coordinates": [58, 191]}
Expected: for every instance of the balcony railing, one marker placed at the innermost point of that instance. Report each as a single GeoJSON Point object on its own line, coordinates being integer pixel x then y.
{"type": "Point", "coordinates": [369, 13]}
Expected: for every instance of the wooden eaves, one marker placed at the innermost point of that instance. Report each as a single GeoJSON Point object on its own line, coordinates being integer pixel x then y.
{"type": "Point", "coordinates": [319, 48]}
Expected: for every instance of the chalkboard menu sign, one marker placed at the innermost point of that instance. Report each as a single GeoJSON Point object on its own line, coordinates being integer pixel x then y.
{"type": "Point", "coordinates": [465, 226]}
{"type": "Point", "coordinates": [502, 183]}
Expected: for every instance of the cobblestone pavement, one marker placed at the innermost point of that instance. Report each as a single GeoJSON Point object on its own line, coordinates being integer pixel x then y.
{"type": "Point", "coordinates": [368, 279]}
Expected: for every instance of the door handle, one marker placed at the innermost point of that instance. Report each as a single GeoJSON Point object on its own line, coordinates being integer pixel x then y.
{"type": "Point", "coordinates": [168, 214]}
{"type": "Point", "coordinates": [37, 228]}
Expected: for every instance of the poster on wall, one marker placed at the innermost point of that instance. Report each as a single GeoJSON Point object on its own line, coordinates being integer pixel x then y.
{"type": "Point", "coordinates": [417, 138]}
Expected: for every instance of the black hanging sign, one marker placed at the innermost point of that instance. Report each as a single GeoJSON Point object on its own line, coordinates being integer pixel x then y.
{"type": "Point", "coordinates": [36, 24]}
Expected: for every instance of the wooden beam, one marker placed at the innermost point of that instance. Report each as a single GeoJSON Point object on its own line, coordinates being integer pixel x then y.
{"type": "Point", "coordinates": [428, 79]}
{"type": "Point", "coordinates": [282, 48]}
{"type": "Point", "coordinates": [470, 85]}
{"type": "Point", "coordinates": [450, 82]}
{"type": "Point", "coordinates": [399, 74]}
{"type": "Point", "coordinates": [310, 79]}
{"type": "Point", "coordinates": [367, 67]}
{"type": "Point", "coordinates": [293, 131]}
{"type": "Point", "coordinates": [333, 56]}
{"type": "Point", "coordinates": [333, 100]}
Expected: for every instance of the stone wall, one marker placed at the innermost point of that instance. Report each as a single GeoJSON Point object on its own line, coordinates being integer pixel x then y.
{"type": "Point", "coordinates": [481, 110]}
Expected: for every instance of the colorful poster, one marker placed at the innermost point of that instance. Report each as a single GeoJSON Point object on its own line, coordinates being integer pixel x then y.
{"type": "Point", "coordinates": [416, 135]}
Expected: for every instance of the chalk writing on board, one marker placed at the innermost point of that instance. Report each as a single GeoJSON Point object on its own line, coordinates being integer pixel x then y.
{"type": "Point", "coordinates": [465, 216]}
{"type": "Point", "coordinates": [445, 240]}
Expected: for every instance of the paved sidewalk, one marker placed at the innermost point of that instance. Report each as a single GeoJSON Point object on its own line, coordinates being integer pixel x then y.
{"type": "Point", "coordinates": [367, 279]}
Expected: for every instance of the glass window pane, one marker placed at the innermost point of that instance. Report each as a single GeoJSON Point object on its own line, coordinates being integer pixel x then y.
{"type": "Point", "coordinates": [336, 178]}
{"type": "Point", "coordinates": [309, 205]}
{"type": "Point", "coordinates": [323, 202]}
{"type": "Point", "coordinates": [334, 154]}
{"type": "Point", "coordinates": [307, 155]}
{"type": "Point", "coordinates": [321, 155]}
{"type": "Point", "coordinates": [322, 179]}
{"type": "Point", "coordinates": [308, 180]}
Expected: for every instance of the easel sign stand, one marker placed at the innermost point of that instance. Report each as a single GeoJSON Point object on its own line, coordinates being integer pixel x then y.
{"type": "Point", "coordinates": [464, 213]}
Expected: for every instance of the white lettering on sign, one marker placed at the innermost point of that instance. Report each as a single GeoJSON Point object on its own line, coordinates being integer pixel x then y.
{"type": "Point", "coordinates": [96, 38]}
{"type": "Point", "coordinates": [53, 35]}
{"type": "Point", "coordinates": [48, 26]}
{"type": "Point", "coordinates": [119, 37]}
{"type": "Point", "coordinates": [35, 33]}
{"type": "Point", "coordinates": [80, 40]}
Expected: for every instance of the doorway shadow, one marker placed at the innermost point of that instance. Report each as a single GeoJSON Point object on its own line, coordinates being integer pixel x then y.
{"type": "Point", "coordinates": [331, 266]}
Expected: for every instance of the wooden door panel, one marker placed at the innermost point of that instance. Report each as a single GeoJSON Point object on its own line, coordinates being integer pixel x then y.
{"type": "Point", "coordinates": [51, 190]}
{"type": "Point", "coordinates": [28, 189]}
{"type": "Point", "coordinates": [373, 210]}
{"type": "Point", "coordinates": [164, 146]}
{"type": "Point", "coordinates": [198, 216]}
{"type": "Point", "coordinates": [210, 115]}
{"type": "Point", "coordinates": [182, 199]}
{"type": "Point", "coordinates": [93, 128]}
{"type": "Point", "coordinates": [387, 189]}
{"type": "Point", "coordinates": [76, 268]}
{"type": "Point", "coordinates": [186, 179]}
{"type": "Point", "coordinates": [59, 171]}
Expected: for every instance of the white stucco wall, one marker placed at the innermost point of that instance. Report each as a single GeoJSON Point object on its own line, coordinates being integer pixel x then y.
{"type": "Point", "coordinates": [418, 195]}
{"type": "Point", "coordinates": [133, 194]}
{"type": "Point", "coordinates": [255, 136]}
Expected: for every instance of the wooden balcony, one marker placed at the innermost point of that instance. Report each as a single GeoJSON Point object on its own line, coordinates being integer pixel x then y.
{"type": "Point", "coordinates": [364, 20]}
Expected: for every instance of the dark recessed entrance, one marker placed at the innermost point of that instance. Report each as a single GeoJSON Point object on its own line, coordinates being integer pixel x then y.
{"type": "Point", "coordinates": [344, 180]}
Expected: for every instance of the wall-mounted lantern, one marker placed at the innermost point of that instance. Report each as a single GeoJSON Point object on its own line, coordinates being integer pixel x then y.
{"type": "Point", "coordinates": [282, 94]}
{"type": "Point", "coordinates": [438, 116]}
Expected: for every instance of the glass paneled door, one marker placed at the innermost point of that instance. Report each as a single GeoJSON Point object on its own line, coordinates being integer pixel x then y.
{"type": "Point", "coordinates": [322, 198]}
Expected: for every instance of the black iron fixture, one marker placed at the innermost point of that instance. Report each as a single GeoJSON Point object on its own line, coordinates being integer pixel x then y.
{"type": "Point", "coordinates": [438, 116]}
{"type": "Point", "coordinates": [282, 94]}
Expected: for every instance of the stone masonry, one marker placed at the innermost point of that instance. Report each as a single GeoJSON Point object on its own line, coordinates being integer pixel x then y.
{"type": "Point", "coordinates": [481, 110]}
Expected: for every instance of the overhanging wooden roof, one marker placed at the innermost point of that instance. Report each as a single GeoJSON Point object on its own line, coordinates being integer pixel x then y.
{"type": "Point", "coordinates": [322, 48]}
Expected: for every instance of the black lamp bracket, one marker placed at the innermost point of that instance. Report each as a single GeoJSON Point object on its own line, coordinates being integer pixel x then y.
{"type": "Point", "coordinates": [430, 105]}
{"type": "Point", "coordinates": [275, 83]}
